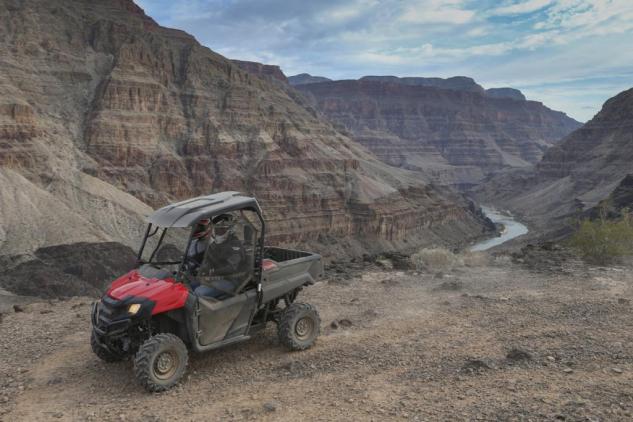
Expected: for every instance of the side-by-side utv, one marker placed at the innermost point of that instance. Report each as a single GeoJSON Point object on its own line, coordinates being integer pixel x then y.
{"type": "Point", "coordinates": [157, 312]}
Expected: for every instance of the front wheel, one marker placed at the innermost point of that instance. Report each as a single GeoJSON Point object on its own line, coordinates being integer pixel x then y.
{"type": "Point", "coordinates": [160, 362]}
{"type": "Point", "coordinates": [299, 326]}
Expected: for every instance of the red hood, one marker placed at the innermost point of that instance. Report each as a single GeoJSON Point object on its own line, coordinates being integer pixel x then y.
{"type": "Point", "coordinates": [167, 294]}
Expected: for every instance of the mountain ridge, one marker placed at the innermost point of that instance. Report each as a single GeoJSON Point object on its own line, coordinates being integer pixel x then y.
{"type": "Point", "coordinates": [459, 83]}
{"type": "Point", "coordinates": [456, 137]}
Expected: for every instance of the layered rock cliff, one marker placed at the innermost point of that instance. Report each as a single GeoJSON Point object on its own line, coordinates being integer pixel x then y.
{"type": "Point", "coordinates": [449, 129]}
{"type": "Point", "coordinates": [590, 165]}
{"type": "Point", "coordinates": [262, 70]}
{"type": "Point", "coordinates": [104, 114]}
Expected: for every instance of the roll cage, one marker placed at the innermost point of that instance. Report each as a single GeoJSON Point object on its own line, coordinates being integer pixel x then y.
{"type": "Point", "coordinates": [187, 213]}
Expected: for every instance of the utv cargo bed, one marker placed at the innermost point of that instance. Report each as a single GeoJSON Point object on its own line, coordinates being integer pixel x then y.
{"type": "Point", "coordinates": [287, 269]}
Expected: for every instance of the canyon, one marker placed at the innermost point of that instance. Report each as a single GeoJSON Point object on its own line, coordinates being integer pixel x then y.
{"type": "Point", "coordinates": [106, 115]}
{"type": "Point", "coordinates": [589, 168]}
{"type": "Point", "coordinates": [452, 130]}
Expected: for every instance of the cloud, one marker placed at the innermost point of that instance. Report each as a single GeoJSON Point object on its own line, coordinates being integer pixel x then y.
{"type": "Point", "coordinates": [592, 17]}
{"type": "Point", "coordinates": [529, 6]}
{"type": "Point", "coordinates": [448, 12]}
{"type": "Point", "coordinates": [478, 31]}
{"type": "Point", "coordinates": [530, 43]}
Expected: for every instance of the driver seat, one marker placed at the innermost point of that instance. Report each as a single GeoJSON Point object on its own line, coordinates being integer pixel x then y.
{"type": "Point", "coordinates": [238, 283]}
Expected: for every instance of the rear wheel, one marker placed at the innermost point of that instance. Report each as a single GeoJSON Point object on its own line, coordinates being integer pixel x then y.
{"type": "Point", "coordinates": [160, 362]}
{"type": "Point", "coordinates": [299, 326]}
{"type": "Point", "coordinates": [101, 352]}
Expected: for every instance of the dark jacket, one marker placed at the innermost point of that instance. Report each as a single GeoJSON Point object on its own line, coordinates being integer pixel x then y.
{"type": "Point", "coordinates": [226, 259]}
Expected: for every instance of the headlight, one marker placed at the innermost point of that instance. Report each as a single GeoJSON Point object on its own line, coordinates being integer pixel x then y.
{"type": "Point", "coordinates": [134, 308]}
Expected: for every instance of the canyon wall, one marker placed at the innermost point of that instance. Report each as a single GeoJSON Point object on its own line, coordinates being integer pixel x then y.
{"type": "Point", "coordinates": [451, 129]}
{"type": "Point", "coordinates": [262, 70]}
{"type": "Point", "coordinates": [105, 115]}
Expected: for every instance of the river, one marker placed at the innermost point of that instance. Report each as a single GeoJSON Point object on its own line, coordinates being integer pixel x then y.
{"type": "Point", "coordinates": [511, 229]}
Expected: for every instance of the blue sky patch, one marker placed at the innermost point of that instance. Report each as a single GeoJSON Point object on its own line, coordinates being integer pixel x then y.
{"type": "Point", "coordinates": [570, 54]}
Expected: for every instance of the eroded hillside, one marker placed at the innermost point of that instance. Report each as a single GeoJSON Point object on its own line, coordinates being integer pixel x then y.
{"type": "Point", "coordinates": [592, 164]}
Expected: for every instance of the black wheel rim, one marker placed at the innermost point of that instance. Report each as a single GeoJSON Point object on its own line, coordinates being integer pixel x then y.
{"type": "Point", "coordinates": [304, 328]}
{"type": "Point", "coordinates": [166, 365]}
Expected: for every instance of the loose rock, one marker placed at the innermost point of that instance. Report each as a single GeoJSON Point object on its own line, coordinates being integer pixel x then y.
{"type": "Point", "coordinates": [346, 323]}
{"type": "Point", "coordinates": [270, 406]}
{"type": "Point", "coordinates": [452, 285]}
{"type": "Point", "coordinates": [518, 355]}
{"type": "Point", "coordinates": [475, 365]}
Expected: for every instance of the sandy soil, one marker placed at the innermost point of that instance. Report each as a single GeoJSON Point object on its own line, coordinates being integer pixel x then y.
{"type": "Point", "coordinates": [505, 341]}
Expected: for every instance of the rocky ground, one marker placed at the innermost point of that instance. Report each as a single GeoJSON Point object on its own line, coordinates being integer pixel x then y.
{"type": "Point", "coordinates": [534, 336]}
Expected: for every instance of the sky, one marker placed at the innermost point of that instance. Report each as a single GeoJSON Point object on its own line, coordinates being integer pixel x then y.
{"type": "Point", "coordinates": [570, 54]}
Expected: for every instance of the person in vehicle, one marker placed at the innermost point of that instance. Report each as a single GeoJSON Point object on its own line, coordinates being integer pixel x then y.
{"type": "Point", "coordinates": [223, 260]}
{"type": "Point", "coordinates": [198, 246]}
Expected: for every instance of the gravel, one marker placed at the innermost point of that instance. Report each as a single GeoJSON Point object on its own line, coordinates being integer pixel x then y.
{"type": "Point", "coordinates": [512, 344]}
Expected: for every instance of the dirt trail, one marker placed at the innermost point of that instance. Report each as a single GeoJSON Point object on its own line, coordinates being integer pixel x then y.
{"type": "Point", "coordinates": [493, 342]}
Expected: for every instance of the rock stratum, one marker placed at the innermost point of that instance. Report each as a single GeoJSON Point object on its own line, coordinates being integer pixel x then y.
{"type": "Point", "coordinates": [591, 165]}
{"type": "Point", "coordinates": [451, 129]}
{"type": "Point", "coordinates": [262, 70]}
{"type": "Point", "coordinates": [105, 115]}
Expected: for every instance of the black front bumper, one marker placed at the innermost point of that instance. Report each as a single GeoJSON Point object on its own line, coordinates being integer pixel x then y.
{"type": "Point", "coordinates": [114, 329]}
{"type": "Point", "coordinates": [110, 318]}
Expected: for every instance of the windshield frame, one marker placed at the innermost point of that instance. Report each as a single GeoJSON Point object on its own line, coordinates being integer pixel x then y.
{"type": "Point", "coordinates": [151, 233]}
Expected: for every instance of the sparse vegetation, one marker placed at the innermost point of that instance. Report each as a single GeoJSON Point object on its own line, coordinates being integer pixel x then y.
{"type": "Point", "coordinates": [443, 260]}
{"type": "Point", "coordinates": [604, 241]}
{"type": "Point", "coordinates": [434, 259]}
{"type": "Point", "coordinates": [474, 259]}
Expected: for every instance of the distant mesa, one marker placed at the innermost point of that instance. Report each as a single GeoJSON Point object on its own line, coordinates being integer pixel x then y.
{"type": "Point", "coordinates": [450, 129]}
{"type": "Point", "coordinates": [306, 78]}
{"type": "Point", "coordinates": [456, 83]}
{"type": "Point", "coordinates": [511, 93]}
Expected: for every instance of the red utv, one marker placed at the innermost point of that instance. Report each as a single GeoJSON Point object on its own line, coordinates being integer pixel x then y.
{"type": "Point", "coordinates": [155, 313]}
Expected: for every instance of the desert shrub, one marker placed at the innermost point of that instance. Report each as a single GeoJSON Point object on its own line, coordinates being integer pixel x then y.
{"type": "Point", "coordinates": [474, 259]}
{"type": "Point", "coordinates": [502, 260]}
{"type": "Point", "coordinates": [434, 259]}
{"type": "Point", "coordinates": [604, 241]}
